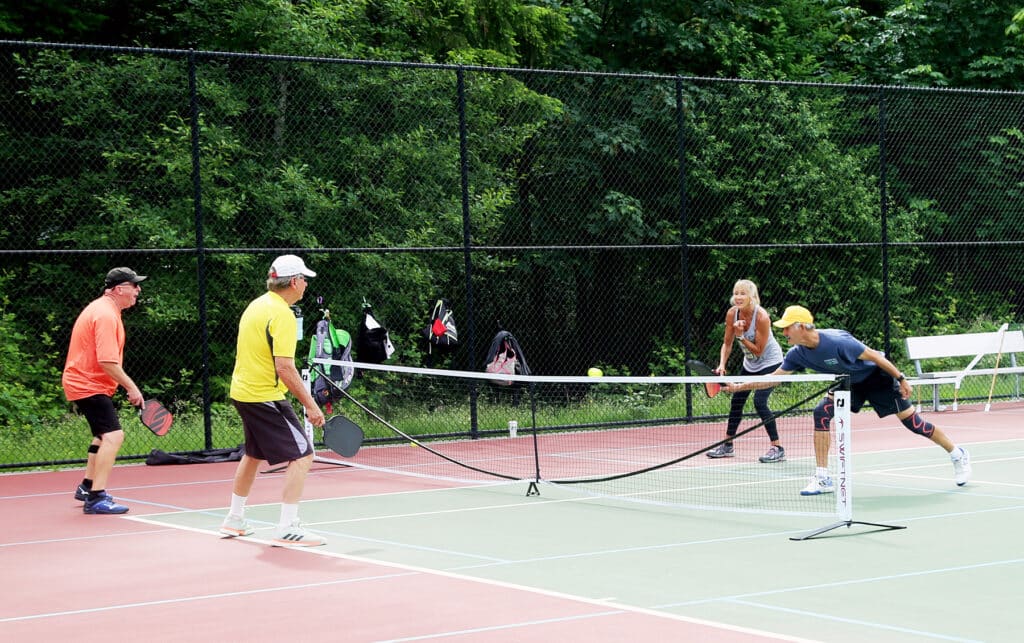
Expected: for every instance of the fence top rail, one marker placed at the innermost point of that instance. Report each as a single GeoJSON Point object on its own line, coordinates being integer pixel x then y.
{"type": "Point", "coordinates": [192, 53]}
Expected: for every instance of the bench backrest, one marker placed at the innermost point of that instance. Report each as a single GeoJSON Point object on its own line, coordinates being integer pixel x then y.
{"type": "Point", "coordinates": [971, 344]}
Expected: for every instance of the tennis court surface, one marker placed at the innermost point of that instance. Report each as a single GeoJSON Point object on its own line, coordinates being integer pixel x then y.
{"type": "Point", "coordinates": [414, 559]}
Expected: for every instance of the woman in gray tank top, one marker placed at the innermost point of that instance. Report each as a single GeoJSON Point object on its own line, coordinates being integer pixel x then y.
{"type": "Point", "coordinates": [749, 326]}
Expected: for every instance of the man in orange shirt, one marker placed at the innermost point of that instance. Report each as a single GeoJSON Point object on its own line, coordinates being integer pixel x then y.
{"type": "Point", "coordinates": [92, 374]}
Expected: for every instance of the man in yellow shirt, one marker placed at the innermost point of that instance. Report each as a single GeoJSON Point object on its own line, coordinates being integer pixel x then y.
{"type": "Point", "coordinates": [264, 371]}
{"type": "Point", "coordinates": [91, 376]}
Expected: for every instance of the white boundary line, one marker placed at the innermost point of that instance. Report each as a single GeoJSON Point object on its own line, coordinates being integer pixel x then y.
{"type": "Point", "coordinates": [407, 570]}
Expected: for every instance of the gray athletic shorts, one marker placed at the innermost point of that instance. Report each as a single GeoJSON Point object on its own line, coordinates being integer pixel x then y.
{"type": "Point", "coordinates": [272, 431]}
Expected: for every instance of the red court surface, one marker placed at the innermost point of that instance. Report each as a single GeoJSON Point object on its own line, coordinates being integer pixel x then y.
{"type": "Point", "coordinates": [79, 577]}
{"type": "Point", "coordinates": [70, 576]}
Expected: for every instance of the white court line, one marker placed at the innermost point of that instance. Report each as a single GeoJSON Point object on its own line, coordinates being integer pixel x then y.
{"type": "Point", "coordinates": [896, 471]}
{"type": "Point", "coordinates": [408, 570]}
{"type": "Point", "coordinates": [165, 485]}
{"type": "Point", "coordinates": [49, 541]}
{"type": "Point", "coordinates": [201, 597]}
{"type": "Point", "coordinates": [479, 580]}
{"type": "Point", "coordinates": [411, 569]}
{"type": "Point", "coordinates": [973, 481]}
{"type": "Point", "coordinates": [744, 598]}
{"type": "Point", "coordinates": [854, 621]}
{"type": "Point", "coordinates": [575, 555]}
{"type": "Point", "coordinates": [656, 610]}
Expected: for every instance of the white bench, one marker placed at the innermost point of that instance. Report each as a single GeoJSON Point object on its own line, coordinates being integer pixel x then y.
{"type": "Point", "coordinates": [973, 345]}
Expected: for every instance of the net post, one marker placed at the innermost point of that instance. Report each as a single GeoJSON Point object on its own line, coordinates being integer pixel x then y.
{"type": "Point", "coordinates": [844, 456]}
{"type": "Point", "coordinates": [532, 490]}
{"type": "Point", "coordinates": [844, 452]}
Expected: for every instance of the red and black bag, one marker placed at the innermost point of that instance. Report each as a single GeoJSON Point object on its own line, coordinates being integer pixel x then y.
{"type": "Point", "coordinates": [440, 334]}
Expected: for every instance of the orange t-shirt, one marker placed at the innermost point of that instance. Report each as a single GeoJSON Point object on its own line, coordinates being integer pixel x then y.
{"type": "Point", "coordinates": [97, 336]}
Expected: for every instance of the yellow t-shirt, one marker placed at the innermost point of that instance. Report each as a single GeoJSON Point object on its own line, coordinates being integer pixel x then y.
{"type": "Point", "coordinates": [267, 320]}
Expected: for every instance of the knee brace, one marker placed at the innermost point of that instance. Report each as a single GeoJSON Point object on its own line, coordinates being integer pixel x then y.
{"type": "Point", "coordinates": [94, 448]}
{"type": "Point", "coordinates": [823, 414]}
{"type": "Point", "coordinates": [918, 425]}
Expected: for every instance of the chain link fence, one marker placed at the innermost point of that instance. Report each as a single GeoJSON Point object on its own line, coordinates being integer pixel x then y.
{"type": "Point", "coordinates": [600, 218]}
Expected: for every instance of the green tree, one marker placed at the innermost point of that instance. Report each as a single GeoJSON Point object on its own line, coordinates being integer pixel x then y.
{"type": "Point", "coordinates": [957, 43]}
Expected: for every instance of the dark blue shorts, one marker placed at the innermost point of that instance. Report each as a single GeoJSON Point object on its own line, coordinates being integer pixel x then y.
{"type": "Point", "coordinates": [882, 390]}
{"type": "Point", "coordinates": [272, 431]}
{"type": "Point", "coordinates": [100, 413]}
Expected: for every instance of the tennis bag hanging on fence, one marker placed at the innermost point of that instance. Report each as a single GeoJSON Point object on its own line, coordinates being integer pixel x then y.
{"type": "Point", "coordinates": [330, 343]}
{"type": "Point", "coordinates": [504, 362]}
{"type": "Point", "coordinates": [506, 356]}
{"type": "Point", "coordinates": [373, 343]}
{"type": "Point", "coordinates": [440, 333]}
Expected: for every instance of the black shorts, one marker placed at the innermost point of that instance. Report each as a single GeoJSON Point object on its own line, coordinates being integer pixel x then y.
{"type": "Point", "coordinates": [273, 432]}
{"type": "Point", "coordinates": [100, 413]}
{"type": "Point", "coordinates": [882, 390]}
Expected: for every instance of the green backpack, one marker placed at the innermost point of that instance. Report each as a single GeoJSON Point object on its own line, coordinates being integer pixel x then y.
{"type": "Point", "coordinates": [330, 343]}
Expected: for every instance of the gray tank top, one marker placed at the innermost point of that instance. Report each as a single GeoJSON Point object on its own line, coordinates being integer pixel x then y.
{"type": "Point", "coordinates": [772, 351]}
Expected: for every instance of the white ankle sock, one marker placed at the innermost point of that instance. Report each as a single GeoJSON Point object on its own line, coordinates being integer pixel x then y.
{"type": "Point", "coordinates": [288, 515]}
{"type": "Point", "coordinates": [237, 505]}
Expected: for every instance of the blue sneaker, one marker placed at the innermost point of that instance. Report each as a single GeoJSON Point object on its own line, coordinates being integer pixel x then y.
{"type": "Point", "coordinates": [82, 494]}
{"type": "Point", "coordinates": [103, 505]}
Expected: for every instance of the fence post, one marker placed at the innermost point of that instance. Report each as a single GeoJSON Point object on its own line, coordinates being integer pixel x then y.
{"type": "Point", "coordinates": [197, 197]}
{"type": "Point", "coordinates": [884, 223]}
{"type": "Point", "coordinates": [467, 243]}
{"type": "Point", "coordinates": [684, 244]}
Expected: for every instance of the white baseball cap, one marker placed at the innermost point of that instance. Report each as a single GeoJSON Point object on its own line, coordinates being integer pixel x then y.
{"type": "Point", "coordinates": [289, 266]}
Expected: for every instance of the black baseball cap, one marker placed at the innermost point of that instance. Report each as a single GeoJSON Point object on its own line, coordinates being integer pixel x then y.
{"type": "Point", "coordinates": [123, 275]}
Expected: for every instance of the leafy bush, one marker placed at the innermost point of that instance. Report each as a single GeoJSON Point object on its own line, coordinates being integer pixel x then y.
{"type": "Point", "coordinates": [30, 391]}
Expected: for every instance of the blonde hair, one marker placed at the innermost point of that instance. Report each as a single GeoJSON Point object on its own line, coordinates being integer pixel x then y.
{"type": "Point", "coordinates": [751, 289]}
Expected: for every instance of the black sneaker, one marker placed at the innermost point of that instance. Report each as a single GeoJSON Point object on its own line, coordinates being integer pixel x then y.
{"type": "Point", "coordinates": [81, 493]}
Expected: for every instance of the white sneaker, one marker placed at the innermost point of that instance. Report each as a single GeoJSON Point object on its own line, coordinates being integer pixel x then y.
{"type": "Point", "coordinates": [234, 526]}
{"type": "Point", "coordinates": [962, 468]}
{"type": "Point", "coordinates": [818, 486]}
{"type": "Point", "coordinates": [294, 535]}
